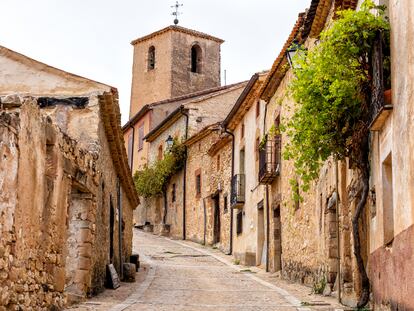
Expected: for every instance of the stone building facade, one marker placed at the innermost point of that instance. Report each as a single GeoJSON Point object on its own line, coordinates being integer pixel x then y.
{"type": "Point", "coordinates": [67, 195]}
{"type": "Point", "coordinates": [311, 239]}
{"type": "Point", "coordinates": [171, 66]}
{"type": "Point", "coordinates": [245, 121]}
{"type": "Point", "coordinates": [208, 186]}
{"type": "Point", "coordinates": [329, 207]}
{"type": "Point", "coordinates": [171, 62]}
{"type": "Point", "coordinates": [192, 116]}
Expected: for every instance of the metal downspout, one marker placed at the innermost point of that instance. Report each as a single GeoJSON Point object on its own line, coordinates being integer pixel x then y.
{"type": "Point", "coordinates": [185, 174]}
{"type": "Point", "coordinates": [232, 174]}
{"type": "Point", "coordinates": [267, 204]}
{"type": "Point", "coordinates": [120, 228]}
{"type": "Point", "coordinates": [338, 235]}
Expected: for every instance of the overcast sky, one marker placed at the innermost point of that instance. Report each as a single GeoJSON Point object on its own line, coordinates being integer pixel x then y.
{"type": "Point", "coordinates": [92, 38]}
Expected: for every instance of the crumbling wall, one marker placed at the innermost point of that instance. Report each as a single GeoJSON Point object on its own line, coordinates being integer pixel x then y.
{"type": "Point", "coordinates": [31, 263]}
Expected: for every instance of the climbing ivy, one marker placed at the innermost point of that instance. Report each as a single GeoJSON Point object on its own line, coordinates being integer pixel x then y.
{"type": "Point", "coordinates": [329, 91]}
{"type": "Point", "coordinates": [332, 93]}
{"type": "Point", "coordinates": [152, 180]}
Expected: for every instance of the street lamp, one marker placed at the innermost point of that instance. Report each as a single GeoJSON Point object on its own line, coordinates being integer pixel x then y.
{"type": "Point", "coordinates": [170, 142]}
{"type": "Point", "coordinates": [291, 52]}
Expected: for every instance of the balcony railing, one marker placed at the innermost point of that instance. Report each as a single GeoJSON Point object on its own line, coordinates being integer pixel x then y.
{"type": "Point", "coordinates": [379, 108]}
{"type": "Point", "coordinates": [238, 190]}
{"type": "Point", "coordinates": [269, 161]}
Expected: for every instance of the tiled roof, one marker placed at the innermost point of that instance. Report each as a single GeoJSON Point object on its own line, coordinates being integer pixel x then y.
{"type": "Point", "coordinates": [109, 112]}
{"type": "Point", "coordinates": [345, 4]}
{"type": "Point", "coordinates": [245, 100]}
{"type": "Point", "coordinates": [280, 65]}
{"type": "Point", "coordinates": [189, 96]}
{"type": "Point", "coordinates": [171, 118]}
{"type": "Point", "coordinates": [178, 29]}
{"type": "Point", "coordinates": [322, 12]}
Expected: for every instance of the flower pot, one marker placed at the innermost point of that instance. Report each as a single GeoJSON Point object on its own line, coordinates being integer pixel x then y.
{"type": "Point", "coordinates": [388, 97]}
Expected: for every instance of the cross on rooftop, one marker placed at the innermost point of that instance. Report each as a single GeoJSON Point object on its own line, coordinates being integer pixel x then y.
{"type": "Point", "coordinates": [176, 6]}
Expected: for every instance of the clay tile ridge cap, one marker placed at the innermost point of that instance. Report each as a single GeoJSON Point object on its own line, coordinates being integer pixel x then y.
{"type": "Point", "coordinates": [177, 29]}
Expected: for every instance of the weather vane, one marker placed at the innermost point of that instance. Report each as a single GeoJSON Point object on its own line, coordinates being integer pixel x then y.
{"type": "Point", "coordinates": [176, 13]}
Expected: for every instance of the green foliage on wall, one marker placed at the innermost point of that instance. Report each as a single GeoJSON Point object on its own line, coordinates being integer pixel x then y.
{"type": "Point", "coordinates": [152, 180]}
{"type": "Point", "coordinates": [329, 91]}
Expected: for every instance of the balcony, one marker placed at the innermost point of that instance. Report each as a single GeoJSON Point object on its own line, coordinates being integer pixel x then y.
{"type": "Point", "coordinates": [381, 106]}
{"type": "Point", "coordinates": [238, 190]}
{"type": "Point", "coordinates": [269, 161]}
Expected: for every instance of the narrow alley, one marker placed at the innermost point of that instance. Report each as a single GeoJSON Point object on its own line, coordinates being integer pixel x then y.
{"type": "Point", "coordinates": [180, 275]}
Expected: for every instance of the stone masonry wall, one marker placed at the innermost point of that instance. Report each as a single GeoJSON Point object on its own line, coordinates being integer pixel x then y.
{"type": "Point", "coordinates": [54, 219]}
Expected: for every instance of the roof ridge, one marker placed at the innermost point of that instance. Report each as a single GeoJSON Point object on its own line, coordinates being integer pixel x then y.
{"type": "Point", "coordinates": [25, 59]}
{"type": "Point", "coordinates": [195, 94]}
{"type": "Point", "coordinates": [179, 29]}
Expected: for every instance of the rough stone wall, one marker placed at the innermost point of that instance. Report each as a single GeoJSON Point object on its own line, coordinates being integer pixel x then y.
{"type": "Point", "coordinates": [183, 80]}
{"type": "Point", "coordinates": [222, 176]}
{"type": "Point", "coordinates": [55, 212]}
{"type": "Point", "coordinates": [175, 209]}
{"type": "Point", "coordinates": [303, 257]}
{"type": "Point", "coordinates": [309, 234]}
{"type": "Point", "coordinates": [198, 207]}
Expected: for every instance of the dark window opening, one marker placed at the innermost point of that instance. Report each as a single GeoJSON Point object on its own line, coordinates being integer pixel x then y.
{"type": "Point", "coordinates": [198, 184]}
{"type": "Point", "coordinates": [225, 203]}
{"type": "Point", "coordinates": [196, 59]}
{"type": "Point", "coordinates": [141, 137]}
{"type": "Point", "coordinates": [242, 131]}
{"type": "Point", "coordinates": [173, 195]}
{"type": "Point", "coordinates": [218, 162]}
{"type": "Point", "coordinates": [151, 58]}
{"type": "Point", "coordinates": [257, 109]}
{"type": "Point", "coordinates": [239, 222]}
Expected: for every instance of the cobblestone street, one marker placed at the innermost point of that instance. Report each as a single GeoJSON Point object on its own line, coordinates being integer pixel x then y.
{"type": "Point", "coordinates": [186, 276]}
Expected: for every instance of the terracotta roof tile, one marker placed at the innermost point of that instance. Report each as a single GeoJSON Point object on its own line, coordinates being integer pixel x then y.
{"type": "Point", "coordinates": [280, 65]}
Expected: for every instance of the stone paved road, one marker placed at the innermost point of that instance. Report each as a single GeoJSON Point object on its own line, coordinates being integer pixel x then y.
{"type": "Point", "coordinates": [189, 278]}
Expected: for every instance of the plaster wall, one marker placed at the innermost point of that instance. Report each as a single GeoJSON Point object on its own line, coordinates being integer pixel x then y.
{"type": "Point", "coordinates": [391, 262]}
{"type": "Point", "coordinates": [247, 244]}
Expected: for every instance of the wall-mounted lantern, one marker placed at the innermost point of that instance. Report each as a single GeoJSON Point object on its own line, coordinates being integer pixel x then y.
{"type": "Point", "coordinates": [170, 142]}
{"type": "Point", "coordinates": [291, 52]}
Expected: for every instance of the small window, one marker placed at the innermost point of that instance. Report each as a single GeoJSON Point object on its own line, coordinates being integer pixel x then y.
{"type": "Point", "coordinates": [239, 222]}
{"type": "Point", "coordinates": [196, 59]}
{"type": "Point", "coordinates": [151, 58]}
{"type": "Point", "coordinates": [141, 137]}
{"type": "Point", "coordinates": [257, 109]}
{"type": "Point", "coordinates": [226, 203]}
{"type": "Point", "coordinates": [130, 149]}
{"type": "Point", "coordinates": [242, 131]}
{"type": "Point", "coordinates": [198, 183]}
{"type": "Point", "coordinates": [173, 193]}
{"type": "Point", "coordinates": [387, 200]}
{"type": "Point", "coordinates": [218, 162]}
